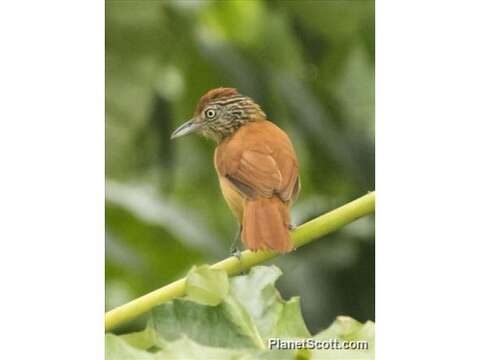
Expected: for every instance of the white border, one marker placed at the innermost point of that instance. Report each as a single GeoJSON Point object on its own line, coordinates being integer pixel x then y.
{"type": "Point", "coordinates": [52, 179]}
{"type": "Point", "coordinates": [428, 181]}
{"type": "Point", "coordinates": [52, 184]}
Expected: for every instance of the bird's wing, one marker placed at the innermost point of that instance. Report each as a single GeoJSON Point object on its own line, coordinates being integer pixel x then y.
{"type": "Point", "coordinates": [260, 161]}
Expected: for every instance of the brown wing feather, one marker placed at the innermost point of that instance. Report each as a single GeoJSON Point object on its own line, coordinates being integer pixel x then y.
{"type": "Point", "coordinates": [259, 160]}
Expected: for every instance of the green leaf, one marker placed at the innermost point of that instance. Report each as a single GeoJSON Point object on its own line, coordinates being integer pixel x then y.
{"type": "Point", "coordinates": [206, 286]}
{"type": "Point", "coordinates": [185, 348]}
{"type": "Point", "coordinates": [345, 328]}
{"type": "Point", "coordinates": [141, 339]}
{"type": "Point", "coordinates": [248, 311]}
{"type": "Point", "coordinates": [117, 348]}
{"type": "Point", "coordinates": [257, 293]}
{"type": "Point", "coordinates": [291, 324]}
{"type": "Point", "coordinates": [207, 325]}
{"type": "Point", "coordinates": [242, 319]}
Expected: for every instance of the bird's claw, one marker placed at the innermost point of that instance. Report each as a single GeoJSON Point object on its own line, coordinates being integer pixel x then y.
{"type": "Point", "coordinates": [235, 252]}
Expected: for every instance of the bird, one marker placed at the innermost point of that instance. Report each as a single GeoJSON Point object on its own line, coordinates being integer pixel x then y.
{"type": "Point", "coordinates": [256, 164]}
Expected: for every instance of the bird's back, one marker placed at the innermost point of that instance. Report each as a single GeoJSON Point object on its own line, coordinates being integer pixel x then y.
{"type": "Point", "coordinates": [258, 172]}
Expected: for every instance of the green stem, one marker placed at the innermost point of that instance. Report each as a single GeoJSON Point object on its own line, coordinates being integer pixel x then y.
{"type": "Point", "coordinates": [302, 235]}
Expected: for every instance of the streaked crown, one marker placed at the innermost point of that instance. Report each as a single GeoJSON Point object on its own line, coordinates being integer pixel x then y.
{"type": "Point", "coordinates": [222, 111]}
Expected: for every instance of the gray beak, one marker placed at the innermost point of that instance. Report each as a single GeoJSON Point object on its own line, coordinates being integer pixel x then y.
{"type": "Point", "coordinates": [185, 129]}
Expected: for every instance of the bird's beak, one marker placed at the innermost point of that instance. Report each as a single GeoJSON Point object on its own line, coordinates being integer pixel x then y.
{"type": "Point", "coordinates": [186, 128]}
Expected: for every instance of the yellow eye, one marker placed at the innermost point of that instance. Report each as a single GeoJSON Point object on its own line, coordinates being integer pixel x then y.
{"type": "Point", "coordinates": [210, 113]}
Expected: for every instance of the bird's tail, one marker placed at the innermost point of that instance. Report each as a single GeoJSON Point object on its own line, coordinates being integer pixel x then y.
{"type": "Point", "coordinates": [266, 225]}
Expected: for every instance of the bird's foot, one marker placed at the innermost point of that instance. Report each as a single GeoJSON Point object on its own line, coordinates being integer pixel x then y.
{"type": "Point", "coordinates": [291, 227]}
{"type": "Point", "coordinates": [235, 252]}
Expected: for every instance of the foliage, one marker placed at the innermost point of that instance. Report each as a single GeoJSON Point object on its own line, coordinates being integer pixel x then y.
{"type": "Point", "coordinates": [249, 312]}
{"type": "Point", "coordinates": [310, 65]}
{"type": "Point", "coordinates": [306, 233]}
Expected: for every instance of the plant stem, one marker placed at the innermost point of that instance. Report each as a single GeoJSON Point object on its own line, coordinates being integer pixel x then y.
{"type": "Point", "coordinates": [302, 235]}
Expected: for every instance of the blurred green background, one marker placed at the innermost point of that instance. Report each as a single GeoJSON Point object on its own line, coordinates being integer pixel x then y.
{"type": "Point", "coordinates": [310, 64]}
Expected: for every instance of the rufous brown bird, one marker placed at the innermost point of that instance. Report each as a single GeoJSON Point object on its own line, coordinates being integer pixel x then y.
{"type": "Point", "coordinates": [256, 165]}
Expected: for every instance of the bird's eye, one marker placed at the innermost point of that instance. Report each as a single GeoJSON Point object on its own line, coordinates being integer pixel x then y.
{"type": "Point", "coordinates": [210, 113]}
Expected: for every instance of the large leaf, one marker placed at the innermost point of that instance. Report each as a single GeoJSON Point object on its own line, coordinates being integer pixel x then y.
{"type": "Point", "coordinates": [208, 306]}
{"type": "Point", "coordinates": [117, 348]}
{"type": "Point", "coordinates": [290, 323]}
{"type": "Point", "coordinates": [207, 325]}
{"type": "Point", "coordinates": [257, 293]}
{"type": "Point", "coordinates": [345, 328]}
{"type": "Point", "coordinates": [206, 286]}
{"type": "Point", "coordinates": [185, 348]}
{"type": "Point", "coordinates": [247, 313]}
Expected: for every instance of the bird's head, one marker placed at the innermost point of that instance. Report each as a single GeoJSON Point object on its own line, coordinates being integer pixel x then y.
{"type": "Point", "coordinates": [219, 113]}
